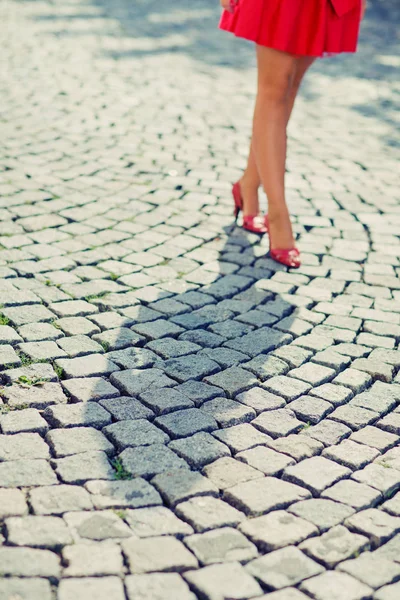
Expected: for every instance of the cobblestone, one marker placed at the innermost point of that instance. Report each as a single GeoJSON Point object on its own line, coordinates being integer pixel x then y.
{"type": "Point", "coordinates": [136, 320]}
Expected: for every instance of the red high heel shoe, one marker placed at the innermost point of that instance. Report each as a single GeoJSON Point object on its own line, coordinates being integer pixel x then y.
{"type": "Point", "coordinates": [289, 257]}
{"type": "Point", "coordinates": [253, 223]}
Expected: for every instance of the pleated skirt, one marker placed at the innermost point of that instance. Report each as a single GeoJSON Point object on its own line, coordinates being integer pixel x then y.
{"type": "Point", "coordinates": [299, 27]}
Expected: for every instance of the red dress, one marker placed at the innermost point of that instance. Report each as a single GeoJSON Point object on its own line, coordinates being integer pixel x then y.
{"type": "Point", "coordinates": [300, 27]}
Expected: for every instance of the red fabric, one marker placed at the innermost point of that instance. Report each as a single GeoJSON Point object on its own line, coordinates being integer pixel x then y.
{"type": "Point", "coordinates": [301, 27]}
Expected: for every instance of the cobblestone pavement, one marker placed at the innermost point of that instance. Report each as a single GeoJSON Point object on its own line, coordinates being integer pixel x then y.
{"type": "Point", "coordinates": [181, 418]}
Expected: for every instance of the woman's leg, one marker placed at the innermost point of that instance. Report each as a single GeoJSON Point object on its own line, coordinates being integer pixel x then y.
{"type": "Point", "coordinates": [275, 75]}
{"type": "Point", "coordinates": [250, 181]}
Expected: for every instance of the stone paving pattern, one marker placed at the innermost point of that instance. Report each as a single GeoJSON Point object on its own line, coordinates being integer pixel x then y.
{"type": "Point", "coordinates": [180, 417]}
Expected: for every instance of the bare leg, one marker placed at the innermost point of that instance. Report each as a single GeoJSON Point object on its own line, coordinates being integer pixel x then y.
{"type": "Point", "coordinates": [250, 181]}
{"type": "Point", "coordinates": [276, 71]}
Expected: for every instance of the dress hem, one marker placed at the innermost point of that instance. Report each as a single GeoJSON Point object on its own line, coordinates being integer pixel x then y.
{"type": "Point", "coordinates": [324, 54]}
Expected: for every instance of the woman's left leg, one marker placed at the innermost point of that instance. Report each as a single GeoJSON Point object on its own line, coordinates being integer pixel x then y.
{"type": "Point", "coordinates": [250, 181]}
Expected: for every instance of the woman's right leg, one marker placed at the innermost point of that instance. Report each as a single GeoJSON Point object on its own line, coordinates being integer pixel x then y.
{"type": "Point", "coordinates": [276, 71]}
{"type": "Point", "coordinates": [251, 181]}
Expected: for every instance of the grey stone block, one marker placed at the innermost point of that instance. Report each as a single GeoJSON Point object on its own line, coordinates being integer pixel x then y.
{"type": "Point", "coordinates": [87, 560]}
{"type": "Point", "coordinates": [36, 371]}
{"type": "Point", "coordinates": [77, 326]}
{"type": "Point", "coordinates": [356, 380]}
{"type": "Point", "coordinates": [147, 461]}
{"type": "Point", "coordinates": [297, 446]}
{"type": "Point", "coordinates": [260, 400]}
{"type": "Point", "coordinates": [166, 400]}
{"type": "Point", "coordinates": [21, 315]}
{"type": "Point", "coordinates": [74, 415]}
{"type": "Point", "coordinates": [157, 585]}
{"type": "Point", "coordinates": [40, 397]}
{"type": "Point", "coordinates": [130, 434]}
{"type": "Point", "coordinates": [126, 408]}
{"type": "Point", "coordinates": [388, 592]}
{"type": "Point", "coordinates": [12, 503]}
{"type": "Point", "coordinates": [55, 500]}
{"type": "Point", "coordinates": [224, 581]}
{"type": "Point", "coordinates": [22, 446]}
{"type": "Point", "coordinates": [26, 473]}
{"type": "Point", "coordinates": [87, 588]}
{"type": "Point", "coordinates": [335, 545]}
{"type": "Point", "coordinates": [233, 380]}
{"type": "Point", "coordinates": [178, 486]}
{"type": "Point", "coordinates": [93, 365]}
{"type": "Point", "coordinates": [36, 332]}
{"type": "Point", "coordinates": [295, 356]}
{"type": "Point", "coordinates": [350, 454]}
{"type": "Point", "coordinates": [390, 550]}
{"type": "Point", "coordinates": [265, 366]}
{"type": "Point", "coordinates": [133, 358]}
{"type": "Point", "coordinates": [221, 546]}
{"type": "Point", "coordinates": [207, 512]}
{"type": "Point", "coordinates": [37, 531]}
{"type": "Point", "coordinates": [261, 341]}
{"type": "Point", "coordinates": [28, 562]}
{"type": "Point", "coordinates": [354, 417]}
{"type": "Point", "coordinates": [310, 409]}
{"type": "Point", "coordinates": [323, 513]}
{"type": "Point", "coordinates": [328, 432]}
{"type": "Point", "coordinates": [135, 381]}
{"type": "Point", "coordinates": [316, 473]}
{"type": "Point", "coordinates": [199, 449]}
{"type": "Point", "coordinates": [199, 392]}
{"type": "Point", "coordinates": [8, 335]}
{"type": "Point", "coordinates": [335, 394]}
{"type": "Point", "coordinates": [79, 468]}
{"type": "Point", "coordinates": [89, 389]}
{"type": "Point", "coordinates": [277, 423]}
{"type": "Point", "coordinates": [313, 374]}
{"type": "Point", "coordinates": [376, 524]}
{"type": "Point", "coordinates": [42, 350]}
{"type": "Point", "coordinates": [122, 494]}
{"type": "Point", "coordinates": [226, 472]}
{"type": "Point", "coordinates": [157, 554]}
{"type": "Point", "coordinates": [277, 530]}
{"type": "Point", "coordinates": [228, 412]}
{"type": "Point", "coordinates": [118, 339]}
{"type": "Point", "coordinates": [183, 423]}
{"type": "Point", "coordinates": [336, 586]}
{"type": "Point", "coordinates": [241, 437]}
{"type": "Point", "coordinates": [390, 423]}
{"type": "Point", "coordinates": [171, 348]}
{"type": "Point", "coordinates": [266, 460]}
{"type": "Point", "coordinates": [8, 357]}
{"type": "Point", "coordinates": [65, 442]}
{"type": "Point", "coordinates": [288, 387]}
{"type": "Point", "coordinates": [156, 521]}
{"type": "Point", "coordinates": [97, 526]}
{"type": "Point", "coordinates": [352, 493]}
{"type": "Point", "coordinates": [263, 495]}
{"type": "Point", "coordinates": [79, 345]}
{"type": "Point", "coordinates": [377, 476]}
{"type": "Point", "coordinates": [190, 367]}
{"type": "Point", "coordinates": [27, 420]}
{"type": "Point", "coordinates": [25, 589]}
{"type": "Point", "coordinates": [283, 568]}
{"type": "Point", "coordinates": [371, 570]}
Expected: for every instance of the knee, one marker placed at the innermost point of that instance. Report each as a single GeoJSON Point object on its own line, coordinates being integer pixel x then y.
{"type": "Point", "coordinates": [275, 91]}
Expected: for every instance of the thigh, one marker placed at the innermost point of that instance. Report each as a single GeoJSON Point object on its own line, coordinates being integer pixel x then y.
{"type": "Point", "coordinates": [276, 70]}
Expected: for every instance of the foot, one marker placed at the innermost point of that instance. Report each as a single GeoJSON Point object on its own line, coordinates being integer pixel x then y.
{"type": "Point", "coordinates": [281, 233]}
